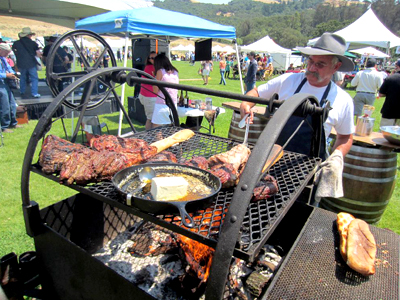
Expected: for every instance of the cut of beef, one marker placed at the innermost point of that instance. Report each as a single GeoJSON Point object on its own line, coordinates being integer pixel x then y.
{"type": "Point", "coordinates": [198, 162]}
{"type": "Point", "coordinates": [55, 151]}
{"type": "Point", "coordinates": [106, 164]}
{"type": "Point", "coordinates": [226, 174]}
{"type": "Point", "coordinates": [164, 156]}
{"type": "Point", "coordinates": [78, 167]}
{"type": "Point", "coordinates": [266, 188]}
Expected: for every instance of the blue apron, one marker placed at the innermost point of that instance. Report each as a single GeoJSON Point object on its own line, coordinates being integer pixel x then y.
{"type": "Point", "coordinates": [301, 141]}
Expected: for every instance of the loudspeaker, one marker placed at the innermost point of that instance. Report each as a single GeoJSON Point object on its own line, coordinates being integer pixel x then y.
{"type": "Point", "coordinates": [143, 47]}
{"type": "Point", "coordinates": [136, 110]}
{"type": "Point", "coordinates": [203, 50]}
{"type": "Point", "coordinates": [141, 50]}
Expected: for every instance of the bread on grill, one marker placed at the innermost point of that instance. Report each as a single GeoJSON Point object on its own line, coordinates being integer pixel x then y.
{"type": "Point", "coordinates": [357, 244]}
{"type": "Point", "coordinates": [361, 248]}
{"type": "Point", "coordinates": [343, 221]}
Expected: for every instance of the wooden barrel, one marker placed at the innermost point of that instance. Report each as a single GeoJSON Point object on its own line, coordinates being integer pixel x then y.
{"type": "Point", "coordinates": [369, 178]}
{"type": "Point", "coordinates": [255, 129]}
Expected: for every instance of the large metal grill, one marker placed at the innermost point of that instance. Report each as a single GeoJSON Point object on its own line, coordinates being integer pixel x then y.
{"type": "Point", "coordinates": [292, 173]}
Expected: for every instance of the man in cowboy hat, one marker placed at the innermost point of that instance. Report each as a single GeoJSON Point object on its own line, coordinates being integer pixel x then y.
{"type": "Point", "coordinates": [324, 59]}
{"type": "Point", "coordinates": [25, 51]}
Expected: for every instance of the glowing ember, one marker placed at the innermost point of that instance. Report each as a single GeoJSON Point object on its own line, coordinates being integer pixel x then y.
{"type": "Point", "coordinates": [198, 256]}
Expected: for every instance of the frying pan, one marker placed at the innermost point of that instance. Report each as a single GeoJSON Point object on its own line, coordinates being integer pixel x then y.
{"type": "Point", "coordinates": [124, 178]}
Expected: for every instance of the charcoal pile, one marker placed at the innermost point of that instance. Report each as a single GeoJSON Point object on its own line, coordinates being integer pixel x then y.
{"type": "Point", "coordinates": [171, 266]}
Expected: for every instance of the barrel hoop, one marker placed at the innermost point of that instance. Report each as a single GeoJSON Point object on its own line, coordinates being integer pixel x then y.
{"type": "Point", "coordinates": [369, 150]}
{"type": "Point", "coordinates": [370, 169]}
{"type": "Point", "coordinates": [349, 156]}
{"type": "Point", "coordinates": [368, 179]}
{"type": "Point", "coordinates": [353, 211]}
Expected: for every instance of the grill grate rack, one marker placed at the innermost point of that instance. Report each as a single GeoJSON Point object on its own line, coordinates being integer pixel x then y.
{"type": "Point", "coordinates": [292, 173]}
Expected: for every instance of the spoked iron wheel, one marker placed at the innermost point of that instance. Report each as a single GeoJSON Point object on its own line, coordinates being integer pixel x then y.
{"type": "Point", "coordinates": [83, 64]}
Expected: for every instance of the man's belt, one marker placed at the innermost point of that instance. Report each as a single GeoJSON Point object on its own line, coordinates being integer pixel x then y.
{"type": "Point", "coordinates": [365, 92]}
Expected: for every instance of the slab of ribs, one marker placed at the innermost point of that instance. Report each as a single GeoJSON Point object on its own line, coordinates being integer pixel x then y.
{"type": "Point", "coordinates": [109, 154]}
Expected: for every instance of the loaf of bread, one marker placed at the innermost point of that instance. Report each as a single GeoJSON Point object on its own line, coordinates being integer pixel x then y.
{"type": "Point", "coordinates": [176, 138]}
{"type": "Point", "coordinates": [361, 248]}
{"type": "Point", "coordinates": [343, 221]}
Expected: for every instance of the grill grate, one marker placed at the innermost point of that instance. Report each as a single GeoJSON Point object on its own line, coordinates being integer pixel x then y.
{"type": "Point", "coordinates": [292, 173]}
{"type": "Point", "coordinates": [315, 269]}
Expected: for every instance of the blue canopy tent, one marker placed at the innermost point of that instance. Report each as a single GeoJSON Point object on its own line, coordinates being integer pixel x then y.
{"type": "Point", "coordinates": [154, 22]}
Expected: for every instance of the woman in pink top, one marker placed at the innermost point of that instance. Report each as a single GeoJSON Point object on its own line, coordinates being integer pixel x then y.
{"type": "Point", "coordinates": [147, 97]}
{"type": "Point", "coordinates": [165, 71]}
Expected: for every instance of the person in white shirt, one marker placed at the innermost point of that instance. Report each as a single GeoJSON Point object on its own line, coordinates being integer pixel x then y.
{"type": "Point", "coordinates": [368, 82]}
{"type": "Point", "coordinates": [324, 59]}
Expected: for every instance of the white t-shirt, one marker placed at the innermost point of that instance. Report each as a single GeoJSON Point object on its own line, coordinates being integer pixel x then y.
{"type": "Point", "coordinates": [340, 116]}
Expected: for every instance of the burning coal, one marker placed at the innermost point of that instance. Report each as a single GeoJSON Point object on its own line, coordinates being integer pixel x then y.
{"type": "Point", "coordinates": [168, 266]}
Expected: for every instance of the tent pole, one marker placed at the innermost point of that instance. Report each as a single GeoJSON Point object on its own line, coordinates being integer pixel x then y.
{"type": "Point", "coordinates": [239, 67]}
{"type": "Point", "coordinates": [123, 86]}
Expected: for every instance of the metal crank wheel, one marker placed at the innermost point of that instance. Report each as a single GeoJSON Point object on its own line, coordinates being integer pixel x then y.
{"type": "Point", "coordinates": [83, 64]}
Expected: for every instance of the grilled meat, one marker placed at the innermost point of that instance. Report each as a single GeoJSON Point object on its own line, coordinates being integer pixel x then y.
{"type": "Point", "coordinates": [78, 167]}
{"type": "Point", "coordinates": [164, 156]}
{"type": "Point", "coordinates": [55, 151]}
{"type": "Point", "coordinates": [137, 150]}
{"type": "Point", "coordinates": [237, 156]}
{"type": "Point", "coordinates": [105, 142]}
{"type": "Point", "coordinates": [266, 188]}
{"type": "Point", "coordinates": [106, 164]}
{"type": "Point", "coordinates": [198, 162]}
{"type": "Point", "coordinates": [80, 164]}
{"type": "Point", "coordinates": [226, 174]}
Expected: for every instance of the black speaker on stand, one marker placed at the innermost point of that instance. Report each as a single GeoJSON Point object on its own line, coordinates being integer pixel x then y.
{"type": "Point", "coordinates": [141, 50]}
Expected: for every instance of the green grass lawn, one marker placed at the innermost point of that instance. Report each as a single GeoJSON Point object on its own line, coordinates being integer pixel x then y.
{"type": "Point", "coordinates": [12, 229]}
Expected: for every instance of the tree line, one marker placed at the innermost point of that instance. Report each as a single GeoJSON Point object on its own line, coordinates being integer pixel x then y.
{"type": "Point", "coordinates": [288, 23]}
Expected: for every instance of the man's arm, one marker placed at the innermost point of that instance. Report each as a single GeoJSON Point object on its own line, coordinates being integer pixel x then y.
{"type": "Point", "coordinates": [343, 143]}
{"type": "Point", "coordinates": [245, 107]}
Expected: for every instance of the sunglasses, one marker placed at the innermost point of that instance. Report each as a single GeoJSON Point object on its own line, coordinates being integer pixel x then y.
{"type": "Point", "coordinates": [151, 57]}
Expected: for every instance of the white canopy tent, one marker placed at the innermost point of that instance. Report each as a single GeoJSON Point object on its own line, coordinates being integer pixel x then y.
{"type": "Point", "coordinates": [216, 48]}
{"type": "Point", "coordinates": [180, 47]}
{"type": "Point", "coordinates": [266, 44]}
{"type": "Point", "coordinates": [366, 30]}
{"type": "Point", "coordinates": [370, 52]}
{"type": "Point", "coordinates": [228, 49]}
{"type": "Point", "coordinates": [189, 48]}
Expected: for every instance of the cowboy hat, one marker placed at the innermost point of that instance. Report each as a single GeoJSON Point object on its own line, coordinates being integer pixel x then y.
{"type": "Point", "coordinates": [330, 44]}
{"type": "Point", "coordinates": [25, 31]}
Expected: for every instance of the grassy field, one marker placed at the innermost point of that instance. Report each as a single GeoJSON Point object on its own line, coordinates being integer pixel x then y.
{"type": "Point", "coordinates": [12, 229]}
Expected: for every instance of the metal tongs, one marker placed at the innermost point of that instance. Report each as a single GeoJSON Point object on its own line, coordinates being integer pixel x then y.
{"type": "Point", "coordinates": [242, 123]}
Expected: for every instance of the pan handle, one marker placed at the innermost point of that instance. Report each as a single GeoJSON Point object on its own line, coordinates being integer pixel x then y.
{"type": "Point", "coordinates": [129, 197]}
{"type": "Point", "coordinates": [184, 214]}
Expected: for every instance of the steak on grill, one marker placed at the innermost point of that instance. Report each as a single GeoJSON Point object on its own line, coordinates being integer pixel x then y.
{"type": "Point", "coordinates": [55, 151]}
{"type": "Point", "coordinates": [267, 187]}
{"type": "Point", "coordinates": [164, 156]}
{"type": "Point", "coordinates": [198, 162]}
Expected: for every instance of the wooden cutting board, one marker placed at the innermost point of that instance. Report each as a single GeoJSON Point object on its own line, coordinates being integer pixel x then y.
{"type": "Point", "coordinates": [275, 155]}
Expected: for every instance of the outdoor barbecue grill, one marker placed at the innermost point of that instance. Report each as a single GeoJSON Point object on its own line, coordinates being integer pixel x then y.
{"type": "Point", "coordinates": [67, 233]}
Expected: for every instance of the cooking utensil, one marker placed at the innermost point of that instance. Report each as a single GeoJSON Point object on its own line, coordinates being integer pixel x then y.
{"type": "Point", "coordinates": [124, 178]}
{"type": "Point", "coordinates": [391, 134]}
{"type": "Point", "coordinates": [242, 122]}
{"type": "Point", "coordinates": [246, 133]}
{"type": "Point", "coordinates": [147, 174]}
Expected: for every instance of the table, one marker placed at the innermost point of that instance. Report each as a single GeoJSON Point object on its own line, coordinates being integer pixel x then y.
{"type": "Point", "coordinates": [374, 139]}
{"type": "Point", "coordinates": [197, 113]}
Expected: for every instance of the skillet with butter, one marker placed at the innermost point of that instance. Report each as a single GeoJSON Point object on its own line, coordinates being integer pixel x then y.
{"type": "Point", "coordinates": [203, 188]}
